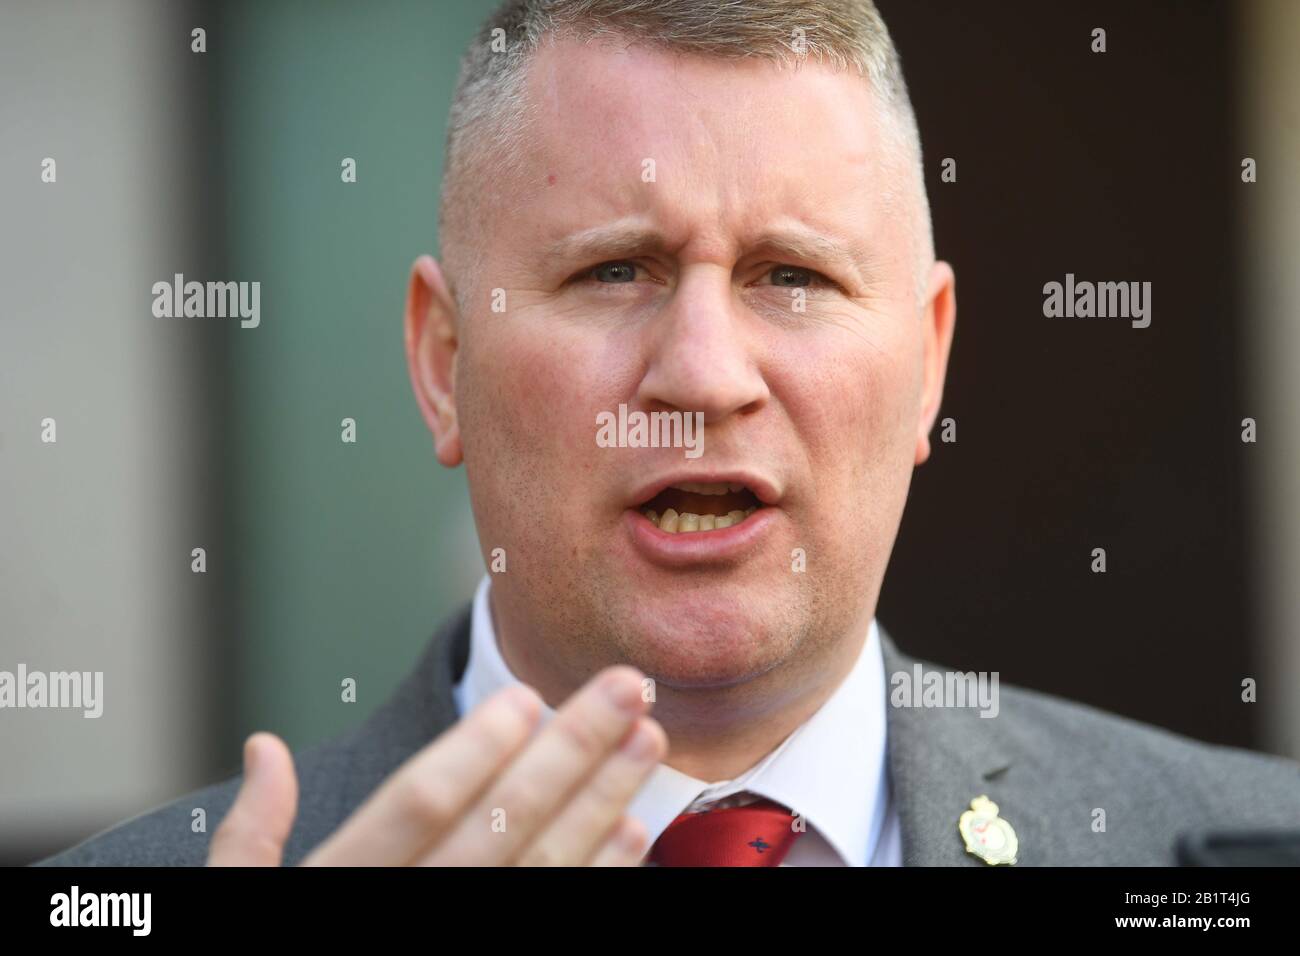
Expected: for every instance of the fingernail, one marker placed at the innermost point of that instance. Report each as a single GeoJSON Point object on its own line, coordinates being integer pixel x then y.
{"type": "Point", "coordinates": [641, 745]}
{"type": "Point", "coordinates": [625, 693]}
{"type": "Point", "coordinates": [250, 757]}
{"type": "Point", "coordinates": [525, 699]}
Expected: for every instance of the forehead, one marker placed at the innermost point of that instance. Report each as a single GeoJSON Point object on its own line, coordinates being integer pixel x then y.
{"type": "Point", "coordinates": [699, 146]}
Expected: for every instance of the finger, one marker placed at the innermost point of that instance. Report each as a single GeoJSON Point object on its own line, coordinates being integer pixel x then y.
{"type": "Point", "coordinates": [431, 791]}
{"type": "Point", "coordinates": [257, 826]}
{"type": "Point", "coordinates": [542, 779]}
{"type": "Point", "coordinates": [584, 824]}
{"type": "Point", "coordinates": [625, 846]}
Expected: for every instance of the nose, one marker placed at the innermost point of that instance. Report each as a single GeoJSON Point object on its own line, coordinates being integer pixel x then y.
{"type": "Point", "coordinates": [701, 357]}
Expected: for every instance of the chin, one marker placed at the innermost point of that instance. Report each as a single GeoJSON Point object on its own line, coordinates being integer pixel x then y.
{"type": "Point", "coordinates": [694, 642]}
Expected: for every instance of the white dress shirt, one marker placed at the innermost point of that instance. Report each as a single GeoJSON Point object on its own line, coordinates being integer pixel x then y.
{"type": "Point", "coordinates": [832, 769]}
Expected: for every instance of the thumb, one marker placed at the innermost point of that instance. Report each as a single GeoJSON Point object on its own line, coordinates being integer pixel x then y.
{"type": "Point", "coordinates": [258, 824]}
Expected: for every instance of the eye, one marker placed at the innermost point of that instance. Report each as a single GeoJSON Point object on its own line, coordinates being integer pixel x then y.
{"type": "Point", "coordinates": [619, 270]}
{"type": "Point", "coordinates": [795, 276]}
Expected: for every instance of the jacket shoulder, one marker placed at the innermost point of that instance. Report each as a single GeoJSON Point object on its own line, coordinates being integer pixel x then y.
{"type": "Point", "coordinates": [1218, 786]}
{"type": "Point", "coordinates": [334, 777]}
{"type": "Point", "coordinates": [167, 835]}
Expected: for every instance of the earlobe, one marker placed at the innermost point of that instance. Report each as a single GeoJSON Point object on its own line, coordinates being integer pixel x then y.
{"type": "Point", "coordinates": [940, 318]}
{"type": "Point", "coordinates": [922, 450]}
{"type": "Point", "coordinates": [431, 347]}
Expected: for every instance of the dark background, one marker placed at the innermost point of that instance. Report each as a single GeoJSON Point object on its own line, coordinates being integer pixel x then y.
{"type": "Point", "coordinates": [1077, 433]}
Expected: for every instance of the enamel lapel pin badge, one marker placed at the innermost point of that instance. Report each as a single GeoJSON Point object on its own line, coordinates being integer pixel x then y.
{"type": "Point", "coordinates": [986, 834]}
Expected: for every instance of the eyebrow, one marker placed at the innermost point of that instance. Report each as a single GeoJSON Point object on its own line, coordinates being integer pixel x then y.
{"type": "Point", "coordinates": [809, 246]}
{"type": "Point", "coordinates": [608, 242]}
{"type": "Point", "coordinates": [625, 240]}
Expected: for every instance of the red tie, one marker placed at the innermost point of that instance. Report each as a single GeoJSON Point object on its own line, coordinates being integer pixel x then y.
{"type": "Point", "coordinates": [757, 834]}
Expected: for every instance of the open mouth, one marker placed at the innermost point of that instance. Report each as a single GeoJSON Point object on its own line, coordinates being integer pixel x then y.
{"type": "Point", "coordinates": [700, 506]}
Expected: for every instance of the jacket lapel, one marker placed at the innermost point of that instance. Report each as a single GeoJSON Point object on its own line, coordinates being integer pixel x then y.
{"type": "Point", "coordinates": [420, 709]}
{"type": "Point", "coordinates": [940, 759]}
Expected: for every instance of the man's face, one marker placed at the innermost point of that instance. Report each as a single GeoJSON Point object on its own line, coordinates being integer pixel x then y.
{"type": "Point", "coordinates": [817, 401]}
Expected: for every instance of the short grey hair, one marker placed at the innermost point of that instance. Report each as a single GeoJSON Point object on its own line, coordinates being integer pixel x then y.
{"type": "Point", "coordinates": [490, 105]}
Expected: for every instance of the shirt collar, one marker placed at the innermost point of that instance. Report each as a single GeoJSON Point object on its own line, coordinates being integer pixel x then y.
{"type": "Point", "coordinates": [831, 769]}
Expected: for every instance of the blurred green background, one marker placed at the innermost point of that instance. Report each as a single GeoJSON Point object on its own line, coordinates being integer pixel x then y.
{"type": "Point", "coordinates": [347, 555]}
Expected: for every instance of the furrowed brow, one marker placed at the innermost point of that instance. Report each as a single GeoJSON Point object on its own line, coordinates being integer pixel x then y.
{"type": "Point", "coordinates": [605, 242]}
{"type": "Point", "coordinates": [812, 247]}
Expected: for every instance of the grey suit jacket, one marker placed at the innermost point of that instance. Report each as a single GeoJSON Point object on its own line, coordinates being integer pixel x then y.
{"type": "Point", "coordinates": [1045, 761]}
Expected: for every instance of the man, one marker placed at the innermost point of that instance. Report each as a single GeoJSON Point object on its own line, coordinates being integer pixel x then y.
{"type": "Point", "coordinates": [713, 217]}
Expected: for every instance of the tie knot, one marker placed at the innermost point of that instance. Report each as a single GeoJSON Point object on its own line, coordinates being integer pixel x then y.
{"type": "Point", "coordinates": [760, 833]}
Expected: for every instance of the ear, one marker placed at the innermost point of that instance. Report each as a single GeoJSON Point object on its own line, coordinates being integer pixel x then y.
{"type": "Point", "coordinates": [431, 345]}
{"type": "Point", "coordinates": [939, 318]}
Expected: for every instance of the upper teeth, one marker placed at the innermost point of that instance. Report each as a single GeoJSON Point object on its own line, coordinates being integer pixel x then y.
{"type": "Point", "coordinates": [709, 488]}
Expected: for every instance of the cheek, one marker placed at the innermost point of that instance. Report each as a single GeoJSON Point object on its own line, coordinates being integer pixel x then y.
{"type": "Point", "coordinates": [858, 430]}
{"type": "Point", "coordinates": [855, 398]}
{"type": "Point", "coordinates": [528, 406]}
{"type": "Point", "coordinates": [522, 394]}
{"type": "Point", "coordinates": [508, 397]}
{"type": "Point", "coordinates": [885, 406]}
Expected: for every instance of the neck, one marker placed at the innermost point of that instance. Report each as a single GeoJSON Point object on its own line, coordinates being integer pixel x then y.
{"type": "Point", "coordinates": [718, 733]}
{"type": "Point", "coordinates": [714, 733]}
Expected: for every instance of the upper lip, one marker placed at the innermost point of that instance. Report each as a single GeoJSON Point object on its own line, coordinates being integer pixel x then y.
{"type": "Point", "coordinates": [763, 488]}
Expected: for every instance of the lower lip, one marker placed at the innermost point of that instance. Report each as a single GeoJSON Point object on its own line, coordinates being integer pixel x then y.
{"type": "Point", "coordinates": [698, 547]}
